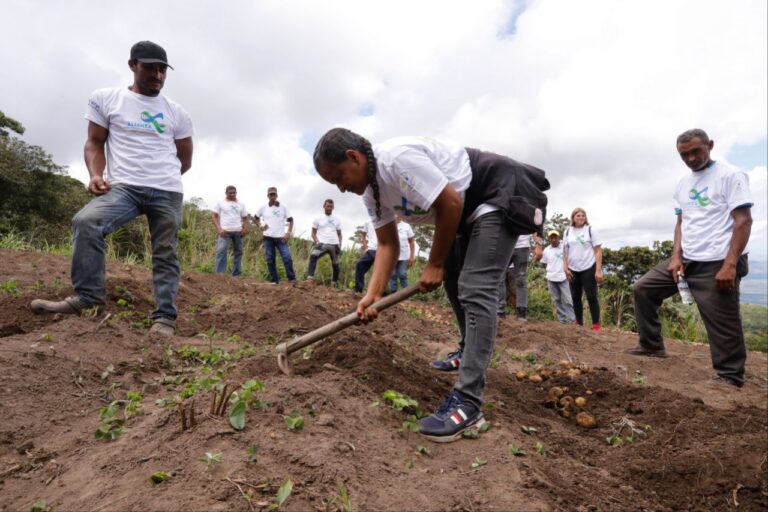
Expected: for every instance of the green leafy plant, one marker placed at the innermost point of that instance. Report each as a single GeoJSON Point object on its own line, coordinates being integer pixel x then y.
{"type": "Point", "coordinates": [10, 287]}
{"type": "Point", "coordinates": [283, 493]}
{"type": "Point", "coordinates": [516, 450]}
{"type": "Point", "coordinates": [251, 452]}
{"type": "Point", "coordinates": [639, 379]}
{"type": "Point", "coordinates": [111, 425]}
{"type": "Point", "coordinates": [423, 450]}
{"type": "Point", "coordinates": [479, 462]}
{"type": "Point", "coordinates": [40, 506]}
{"type": "Point", "coordinates": [211, 459]}
{"type": "Point", "coordinates": [614, 440]}
{"type": "Point", "coordinates": [159, 477]}
{"type": "Point", "coordinates": [400, 401]}
{"type": "Point", "coordinates": [539, 447]}
{"type": "Point", "coordinates": [294, 421]}
{"type": "Point", "coordinates": [495, 360]}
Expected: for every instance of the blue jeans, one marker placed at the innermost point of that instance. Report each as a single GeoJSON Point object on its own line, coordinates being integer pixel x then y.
{"type": "Point", "coordinates": [270, 243]}
{"type": "Point", "coordinates": [474, 269]}
{"type": "Point", "coordinates": [400, 272]}
{"type": "Point", "coordinates": [222, 247]}
{"type": "Point", "coordinates": [362, 267]}
{"type": "Point", "coordinates": [106, 213]}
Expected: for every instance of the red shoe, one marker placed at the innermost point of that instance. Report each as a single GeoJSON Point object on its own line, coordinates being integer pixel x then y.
{"type": "Point", "coordinates": [596, 327]}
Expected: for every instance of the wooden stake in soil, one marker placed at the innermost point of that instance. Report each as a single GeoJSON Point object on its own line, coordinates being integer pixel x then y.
{"type": "Point", "coordinates": [183, 417]}
{"type": "Point", "coordinates": [213, 402]}
{"type": "Point", "coordinates": [222, 402]}
{"type": "Point", "coordinates": [192, 421]}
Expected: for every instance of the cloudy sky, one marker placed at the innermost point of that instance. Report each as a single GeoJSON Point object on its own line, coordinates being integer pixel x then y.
{"type": "Point", "coordinates": [593, 91]}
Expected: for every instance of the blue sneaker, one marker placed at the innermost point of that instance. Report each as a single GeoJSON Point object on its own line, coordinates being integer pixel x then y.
{"type": "Point", "coordinates": [450, 363]}
{"type": "Point", "coordinates": [453, 416]}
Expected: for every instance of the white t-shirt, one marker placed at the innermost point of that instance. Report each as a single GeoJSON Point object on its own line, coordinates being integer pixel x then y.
{"type": "Point", "coordinates": [231, 214]}
{"type": "Point", "coordinates": [275, 217]}
{"type": "Point", "coordinates": [580, 247]}
{"type": "Point", "coordinates": [370, 235]}
{"type": "Point", "coordinates": [404, 233]}
{"type": "Point", "coordinates": [553, 259]}
{"type": "Point", "coordinates": [706, 199]}
{"type": "Point", "coordinates": [327, 226]}
{"type": "Point", "coordinates": [523, 242]}
{"type": "Point", "coordinates": [412, 171]}
{"type": "Point", "coordinates": [141, 147]}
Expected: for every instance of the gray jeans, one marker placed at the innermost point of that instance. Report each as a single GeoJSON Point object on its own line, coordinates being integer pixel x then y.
{"type": "Point", "coordinates": [475, 267]}
{"type": "Point", "coordinates": [561, 298]}
{"type": "Point", "coordinates": [719, 311]}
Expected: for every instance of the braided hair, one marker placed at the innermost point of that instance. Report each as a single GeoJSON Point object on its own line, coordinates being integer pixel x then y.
{"type": "Point", "coordinates": [331, 149]}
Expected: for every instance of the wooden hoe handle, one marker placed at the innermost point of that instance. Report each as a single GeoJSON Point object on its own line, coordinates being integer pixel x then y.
{"type": "Point", "coordinates": [286, 348]}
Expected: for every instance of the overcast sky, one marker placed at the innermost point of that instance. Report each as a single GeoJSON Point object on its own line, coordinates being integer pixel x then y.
{"type": "Point", "coordinates": [592, 91]}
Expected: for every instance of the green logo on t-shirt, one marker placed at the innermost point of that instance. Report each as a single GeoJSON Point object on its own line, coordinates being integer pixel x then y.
{"type": "Point", "coordinates": [699, 197]}
{"type": "Point", "coordinates": [152, 119]}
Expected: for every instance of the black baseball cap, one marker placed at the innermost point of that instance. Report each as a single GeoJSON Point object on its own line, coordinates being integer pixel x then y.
{"type": "Point", "coordinates": [149, 53]}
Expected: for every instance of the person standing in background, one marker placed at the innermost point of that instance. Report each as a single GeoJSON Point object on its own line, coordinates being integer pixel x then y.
{"type": "Point", "coordinates": [273, 218]}
{"type": "Point", "coordinates": [231, 220]}
{"type": "Point", "coordinates": [407, 248]}
{"type": "Point", "coordinates": [583, 265]}
{"type": "Point", "coordinates": [364, 264]}
{"type": "Point", "coordinates": [326, 235]}
{"type": "Point", "coordinates": [516, 278]}
{"type": "Point", "coordinates": [552, 258]}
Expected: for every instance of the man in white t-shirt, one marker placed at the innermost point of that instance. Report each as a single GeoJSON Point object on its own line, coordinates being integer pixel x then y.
{"type": "Point", "coordinates": [231, 220]}
{"type": "Point", "coordinates": [552, 258]}
{"type": "Point", "coordinates": [273, 219]}
{"type": "Point", "coordinates": [144, 141]}
{"type": "Point", "coordinates": [406, 237]}
{"type": "Point", "coordinates": [714, 221]}
{"type": "Point", "coordinates": [364, 264]}
{"type": "Point", "coordinates": [326, 235]}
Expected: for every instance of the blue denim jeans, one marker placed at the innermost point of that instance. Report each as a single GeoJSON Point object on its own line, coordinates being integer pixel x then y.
{"type": "Point", "coordinates": [362, 267]}
{"type": "Point", "coordinates": [474, 269]}
{"type": "Point", "coordinates": [222, 247]}
{"type": "Point", "coordinates": [400, 272]}
{"type": "Point", "coordinates": [103, 215]}
{"type": "Point", "coordinates": [270, 244]}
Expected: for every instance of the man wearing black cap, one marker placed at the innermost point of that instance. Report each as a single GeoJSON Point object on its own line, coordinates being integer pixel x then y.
{"type": "Point", "coordinates": [144, 142]}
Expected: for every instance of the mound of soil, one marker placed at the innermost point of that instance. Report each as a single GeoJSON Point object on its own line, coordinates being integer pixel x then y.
{"type": "Point", "coordinates": [696, 445]}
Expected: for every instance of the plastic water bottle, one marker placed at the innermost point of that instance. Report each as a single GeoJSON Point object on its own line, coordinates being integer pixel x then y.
{"type": "Point", "coordinates": [685, 292]}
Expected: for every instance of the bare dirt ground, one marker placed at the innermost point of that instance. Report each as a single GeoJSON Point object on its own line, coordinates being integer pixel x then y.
{"type": "Point", "coordinates": [703, 446]}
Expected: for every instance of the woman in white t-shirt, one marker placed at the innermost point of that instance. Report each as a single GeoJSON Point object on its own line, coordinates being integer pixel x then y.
{"type": "Point", "coordinates": [583, 265]}
{"type": "Point", "coordinates": [475, 200]}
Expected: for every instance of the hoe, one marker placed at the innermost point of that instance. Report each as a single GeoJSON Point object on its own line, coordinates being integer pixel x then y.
{"type": "Point", "coordinates": [287, 348]}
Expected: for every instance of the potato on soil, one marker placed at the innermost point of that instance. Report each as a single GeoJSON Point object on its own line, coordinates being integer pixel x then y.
{"type": "Point", "coordinates": [545, 374]}
{"type": "Point", "coordinates": [586, 420]}
{"type": "Point", "coordinates": [520, 375]}
{"type": "Point", "coordinates": [536, 379]}
{"type": "Point", "coordinates": [573, 373]}
{"type": "Point", "coordinates": [564, 364]}
{"type": "Point", "coordinates": [566, 401]}
{"type": "Point", "coordinates": [580, 401]}
{"type": "Point", "coordinates": [556, 392]}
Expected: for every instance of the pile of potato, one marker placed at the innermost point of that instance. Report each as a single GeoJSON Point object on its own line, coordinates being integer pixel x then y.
{"type": "Point", "coordinates": [558, 398]}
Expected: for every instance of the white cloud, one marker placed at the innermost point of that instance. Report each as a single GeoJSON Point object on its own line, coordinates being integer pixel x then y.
{"type": "Point", "coordinates": [594, 92]}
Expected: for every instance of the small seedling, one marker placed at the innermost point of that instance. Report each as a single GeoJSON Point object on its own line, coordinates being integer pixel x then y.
{"type": "Point", "coordinates": [282, 494]}
{"type": "Point", "coordinates": [423, 450]}
{"type": "Point", "coordinates": [306, 353]}
{"type": "Point", "coordinates": [485, 427]}
{"type": "Point", "coordinates": [495, 360]}
{"type": "Point", "coordinates": [479, 462]}
{"type": "Point", "coordinates": [639, 379]}
{"type": "Point", "coordinates": [10, 287]}
{"type": "Point", "coordinates": [539, 447]}
{"type": "Point", "coordinates": [251, 452]}
{"type": "Point", "coordinates": [47, 338]}
{"type": "Point", "coordinates": [614, 440]}
{"type": "Point", "coordinates": [471, 434]}
{"type": "Point", "coordinates": [343, 497]}
{"type": "Point", "coordinates": [409, 464]}
{"type": "Point", "coordinates": [159, 477]}
{"type": "Point", "coordinates": [211, 459]}
{"type": "Point", "coordinates": [411, 423]}
{"type": "Point", "coordinates": [528, 430]}
{"type": "Point", "coordinates": [516, 450]}
{"type": "Point", "coordinates": [110, 425]}
{"type": "Point", "coordinates": [400, 401]}
{"type": "Point", "coordinates": [40, 506]}
{"type": "Point", "coordinates": [294, 421]}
